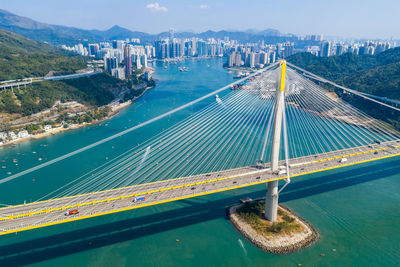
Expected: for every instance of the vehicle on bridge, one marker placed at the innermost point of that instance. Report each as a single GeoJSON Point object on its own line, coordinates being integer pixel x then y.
{"type": "Point", "coordinates": [136, 199]}
{"type": "Point", "coordinates": [71, 212]}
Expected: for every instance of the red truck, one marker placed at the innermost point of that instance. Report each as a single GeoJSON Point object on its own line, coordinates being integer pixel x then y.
{"type": "Point", "coordinates": [71, 212]}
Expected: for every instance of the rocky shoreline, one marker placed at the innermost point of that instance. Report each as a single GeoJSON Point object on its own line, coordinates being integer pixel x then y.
{"type": "Point", "coordinates": [282, 244]}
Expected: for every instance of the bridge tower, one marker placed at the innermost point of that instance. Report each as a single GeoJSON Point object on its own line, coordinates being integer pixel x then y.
{"type": "Point", "coordinates": [271, 200]}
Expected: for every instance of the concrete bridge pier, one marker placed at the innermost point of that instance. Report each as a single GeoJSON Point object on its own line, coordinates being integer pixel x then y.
{"type": "Point", "coordinates": [271, 199]}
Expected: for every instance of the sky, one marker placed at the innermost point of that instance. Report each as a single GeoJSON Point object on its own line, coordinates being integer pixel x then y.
{"type": "Point", "coordinates": [341, 18]}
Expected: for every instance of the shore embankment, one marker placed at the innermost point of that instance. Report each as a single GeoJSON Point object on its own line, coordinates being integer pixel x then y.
{"type": "Point", "coordinates": [115, 108]}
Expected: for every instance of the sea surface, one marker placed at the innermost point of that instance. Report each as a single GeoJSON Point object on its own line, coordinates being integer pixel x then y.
{"type": "Point", "coordinates": [355, 209]}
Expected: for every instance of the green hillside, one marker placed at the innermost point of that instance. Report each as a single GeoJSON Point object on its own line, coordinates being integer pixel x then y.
{"type": "Point", "coordinates": [21, 57]}
{"type": "Point", "coordinates": [378, 75]}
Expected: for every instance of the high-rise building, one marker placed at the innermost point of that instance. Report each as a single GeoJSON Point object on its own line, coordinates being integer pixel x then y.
{"type": "Point", "coordinates": [340, 49]}
{"type": "Point", "coordinates": [232, 59]}
{"type": "Point", "coordinates": [136, 61]}
{"type": "Point", "coordinates": [201, 49]}
{"type": "Point", "coordinates": [128, 60]}
{"type": "Point", "coordinates": [110, 63]}
{"type": "Point", "coordinates": [194, 47]}
{"type": "Point", "coordinates": [212, 50]}
{"type": "Point", "coordinates": [93, 49]}
{"type": "Point", "coordinates": [272, 57]}
{"type": "Point", "coordinates": [279, 50]}
{"type": "Point", "coordinates": [289, 49]}
{"type": "Point", "coordinates": [118, 44]}
{"type": "Point", "coordinates": [175, 49]}
{"type": "Point", "coordinates": [118, 73]}
{"type": "Point", "coordinates": [143, 60]}
{"type": "Point", "coordinates": [325, 50]}
{"type": "Point", "coordinates": [264, 58]}
{"type": "Point", "coordinates": [238, 60]}
{"type": "Point", "coordinates": [161, 49]}
{"type": "Point", "coordinates": [252, 60]}
{"type": "Point", "coordinates": [363, 50]}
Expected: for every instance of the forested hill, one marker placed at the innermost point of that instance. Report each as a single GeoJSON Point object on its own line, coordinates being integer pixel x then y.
{"type": "Point", "coordinates": [21, 57]}
{"type": "Point", "coordinates": [378, 74]}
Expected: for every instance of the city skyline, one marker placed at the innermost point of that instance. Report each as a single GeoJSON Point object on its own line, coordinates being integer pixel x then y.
{"type": "Point", "coordinates": [343, 19]}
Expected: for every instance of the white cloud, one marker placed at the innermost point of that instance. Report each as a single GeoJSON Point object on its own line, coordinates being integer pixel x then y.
{"type": "Point", "coordinates": [155, 7]}
{"type": "Point", "coordinates": [204, 7]}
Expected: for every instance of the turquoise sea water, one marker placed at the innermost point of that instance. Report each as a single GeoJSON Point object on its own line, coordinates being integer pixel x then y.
{"type": "Point", "coordinates": [355, 209]}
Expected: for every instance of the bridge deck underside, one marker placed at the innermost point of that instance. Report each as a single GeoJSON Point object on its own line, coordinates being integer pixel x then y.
{"type": "Point", "coordinates": [50, 212]}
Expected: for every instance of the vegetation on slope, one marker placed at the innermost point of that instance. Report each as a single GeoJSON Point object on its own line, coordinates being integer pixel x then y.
{"type": "Point", "coordinates": [92, 91]}
{"type": "Point", "coordinates": [378, 75]}
{"type": "Point", "coordinates": [21, 58]}
{"type": "Point", "coordinates": [253, 214]}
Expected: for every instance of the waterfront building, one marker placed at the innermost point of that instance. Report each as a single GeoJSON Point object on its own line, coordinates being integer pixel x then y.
{"type": "Point", "coordinates": [147, 76]}
{"type": "Point", "coordinates": [238, 60]}
{"type": "Point", "coordinates": [12, 136]}
{"type": "Point", "coordinates": [23, 134]}
{"type": "Point", "coordinates": [201, 49]}
{"type": "Point", "coordinates": [3, 136]}
{"type": "Point", "coordinates": [232, 59]}
{"type": "Point", "coordinates": [161, 49]}
{"type": "Point", "coordinates": [47, 128]}
{"type": "Point", "coordinates": [194, 47]}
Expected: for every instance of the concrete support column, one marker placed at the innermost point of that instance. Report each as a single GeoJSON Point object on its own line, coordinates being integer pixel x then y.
{"type": "Point", "coordinates": [271, 199]}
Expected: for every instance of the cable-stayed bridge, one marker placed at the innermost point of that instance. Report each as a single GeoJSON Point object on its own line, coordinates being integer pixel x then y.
{"type": "Point", "coordinates": [279, 125]}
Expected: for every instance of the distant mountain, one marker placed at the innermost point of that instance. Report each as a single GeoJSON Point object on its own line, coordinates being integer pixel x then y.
{"type": "Point", "coordinates": [116, 32]}
{"type": "Point", "coordinates": [57, 35]}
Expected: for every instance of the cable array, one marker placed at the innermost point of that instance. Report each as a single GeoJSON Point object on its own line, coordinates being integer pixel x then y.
{"type": "Point", "coordinates": [236, 131]}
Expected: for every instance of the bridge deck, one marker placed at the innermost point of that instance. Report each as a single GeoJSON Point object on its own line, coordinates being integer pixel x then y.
{"type": "Point", "coordinates": [40, 214]}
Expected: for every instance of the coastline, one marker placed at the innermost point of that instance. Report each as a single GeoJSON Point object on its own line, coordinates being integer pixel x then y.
{"type": "Point", "coordinates": [280, 244]}
{"type": "Point", "coordinates": [115, 108]}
